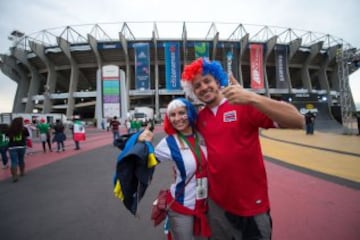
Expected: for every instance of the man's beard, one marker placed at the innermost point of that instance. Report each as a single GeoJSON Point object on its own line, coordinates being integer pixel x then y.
{"type": "Point", "coordinates": [213, 99]}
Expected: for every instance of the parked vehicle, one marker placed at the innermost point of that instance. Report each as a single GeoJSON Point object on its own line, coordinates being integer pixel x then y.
{"type": "Point", "coordinates": [33, 117]}
{"type": "Point", "coordinates": [141, 117]}
{"type": "Point", "coordinates": [143, 114]}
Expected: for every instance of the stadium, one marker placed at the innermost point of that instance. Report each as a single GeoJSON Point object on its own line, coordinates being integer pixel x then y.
{"type": "Point", "coordinates": [103, 70]}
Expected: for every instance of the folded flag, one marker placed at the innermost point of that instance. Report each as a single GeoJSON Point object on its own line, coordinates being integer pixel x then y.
{"type": "Point", "coordinates": [134, 170]}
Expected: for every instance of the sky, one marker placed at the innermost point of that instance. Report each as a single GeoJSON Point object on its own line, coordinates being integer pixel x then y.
{"type": "Point", "coordinates": [335, 17]}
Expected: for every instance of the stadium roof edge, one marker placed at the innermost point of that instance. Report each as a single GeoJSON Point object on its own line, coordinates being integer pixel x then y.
{"type": "Point", "coordinates": [225, 31]}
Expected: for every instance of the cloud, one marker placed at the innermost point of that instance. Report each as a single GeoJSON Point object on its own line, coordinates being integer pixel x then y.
{"type": "Point", "coordinates": [326, 16]}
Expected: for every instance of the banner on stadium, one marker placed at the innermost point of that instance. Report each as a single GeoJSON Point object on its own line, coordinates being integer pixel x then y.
{"type": "Point", "coordinates": [142, 66]}
{"type": "Point", "coordinates": [201, 49]}
{"type": "Point", "coordinates": [172, 65]}
{"type": "Point", "coordinates": [111, 91]}
{"type": "Point", "coordinates": [281, 61]}
{"type": "Point", "coordinates": [256, 66]}
{"type": "Point", "coordinates": [230, 59]}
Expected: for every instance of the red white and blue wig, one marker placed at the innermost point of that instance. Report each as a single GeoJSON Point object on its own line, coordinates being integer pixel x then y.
{"type": "Point", "coordinates": [204, 67]}
{"type": "Point", "coordinates": [190, 110]}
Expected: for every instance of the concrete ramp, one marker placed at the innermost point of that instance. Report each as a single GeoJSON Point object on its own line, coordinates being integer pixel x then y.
{"type": "Point", "coordinates": [324, 119]}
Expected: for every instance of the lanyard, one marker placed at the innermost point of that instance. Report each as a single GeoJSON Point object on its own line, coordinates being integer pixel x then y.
{"type": "Point", "coordinates": [196, 150]}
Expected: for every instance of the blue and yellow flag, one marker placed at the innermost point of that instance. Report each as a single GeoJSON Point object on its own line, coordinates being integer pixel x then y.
{"type": "Point", "coordinates": [134, 170]}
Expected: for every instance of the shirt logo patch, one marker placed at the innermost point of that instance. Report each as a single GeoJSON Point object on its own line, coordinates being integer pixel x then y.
{"type": "Point", "coordinates": [230, 116]}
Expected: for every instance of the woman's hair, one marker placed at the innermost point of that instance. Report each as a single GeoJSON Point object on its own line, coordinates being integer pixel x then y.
{"type": "Point", "coordinates": [202, 66]}
{"type": "Point", "coordinates": [16, 127]}
{"type": "Point", "coordinates": [190, 111]}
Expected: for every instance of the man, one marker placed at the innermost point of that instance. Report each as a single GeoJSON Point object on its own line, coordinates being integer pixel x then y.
{"type": "Point", "coordinates": [357, 115]}
{"type": "Point", "coordinates": [114, 124]}
{"type": "Point", "coordinates": [4, 144]}
{"type": "Point", "coordinates": [29, 143]}
{"type": "Point", "coordinates": [239, 205]}
{"type": "Point", "coordinates": [78, 130]}
{"type": "Point", "coordinates": [44, 130]}
{"type": "Point", "coordinates": [310, 121]}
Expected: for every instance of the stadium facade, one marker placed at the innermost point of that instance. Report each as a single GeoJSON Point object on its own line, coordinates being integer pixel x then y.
{"type": "Point", "coordinates": [103, 70]}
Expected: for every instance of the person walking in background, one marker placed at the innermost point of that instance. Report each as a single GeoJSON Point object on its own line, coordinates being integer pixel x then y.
{"type": "Point", "coordinates": [357, 115]}
{"type": "Point", "coordinates": [29, 140]}
{"type": "Point", "coordinates": [128, 126]}
{"type": "Point", "coordinates": [185, 148]}
{"type": "Point", "coordinates": [103, 122]}
{"type": "Point", "coordinates": [310, 122]}
{"type": "Point", "coordinates": [17, 135]}
{"type": "Point", "coordinates": [44, 130]}
{"type": "Point", "coordinates": [133, 126]}
{"type": "Point", "coordinates": [239, 206]}
{"type": "Point", "coordinates": [114, 125]}
{"type": "Point", "coordinates": [59, 135]}
{"type": "Point", "coordinates": [78, 130]}
{"type": "Point", "coordinates": [108, 120]}
{"type": "Point", "coordinates": [4, 145]}
{"type": "Point", "coordinates": [137, 125]}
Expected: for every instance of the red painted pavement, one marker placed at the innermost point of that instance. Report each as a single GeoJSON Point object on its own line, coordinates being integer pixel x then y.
{"type": "Point", "coordinates": [306, 207]}
{"type": "Point", "coordinates": [95, 138]}
{"type": "Point", "coordinates": [302, 206]}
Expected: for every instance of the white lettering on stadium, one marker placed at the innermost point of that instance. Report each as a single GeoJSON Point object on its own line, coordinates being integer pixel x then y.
{"type": "Point", "coordinates": [173, 67]}
{"type": "Point", "coordinates": [109, 46]}
{"type": "Point", "coordinates": [255, 69]}
{"type": "Point", "coordinates": [281, 68]}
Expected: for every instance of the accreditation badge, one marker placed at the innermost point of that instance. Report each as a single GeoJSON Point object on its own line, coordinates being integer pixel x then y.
{"type": "Point", "coordinates": [201, 188]}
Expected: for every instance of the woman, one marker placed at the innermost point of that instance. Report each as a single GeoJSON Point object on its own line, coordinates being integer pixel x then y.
{"type": "Point", "coordinates": [184, 147]}
{"type": "Point", "coordinates": [17, 135]}
{"type": "Point", "coordinates": [59, 136]}
{"type": "Point", "coordinates": [29, 143]}
{"type": "Point", "coordinates": [4, 144]}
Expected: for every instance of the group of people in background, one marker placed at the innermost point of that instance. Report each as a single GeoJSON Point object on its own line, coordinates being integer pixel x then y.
{"type": "Point", "coordinates": [131, 125]}
{"type": "Point", "coordinates": [44, 130]}
{"type": "Point", "coordinates": [16, 140]}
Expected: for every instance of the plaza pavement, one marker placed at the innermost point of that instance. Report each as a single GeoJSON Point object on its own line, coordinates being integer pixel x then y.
{"type": "Point", "coordinates": [314, 187]}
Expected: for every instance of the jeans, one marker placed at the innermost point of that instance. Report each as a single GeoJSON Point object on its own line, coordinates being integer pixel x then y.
{"type": "Point", "coordinates": [17, 156]}
{"type": "Point", "coordinates": [116, 135]}
{"type": "Point", "coordinates": [227, 226]}
{"type": "Point", "coordinates": [310, 128]}
{"type": "Point", "coordinates": [60, 145]}
{"type": "Point", "coordinates": [77, 144]}
{"type": "Point", "coordinates": [4, 157]}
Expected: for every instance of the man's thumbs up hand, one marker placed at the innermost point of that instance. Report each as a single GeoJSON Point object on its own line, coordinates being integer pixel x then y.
{"type": "Point", "coordinates": [232, 80]}
{"type": "Point", "coordinates": [235, 93]}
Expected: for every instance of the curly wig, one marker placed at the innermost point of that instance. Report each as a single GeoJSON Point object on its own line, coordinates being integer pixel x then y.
{"type": "Point", "coordinates": [204, 67]}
